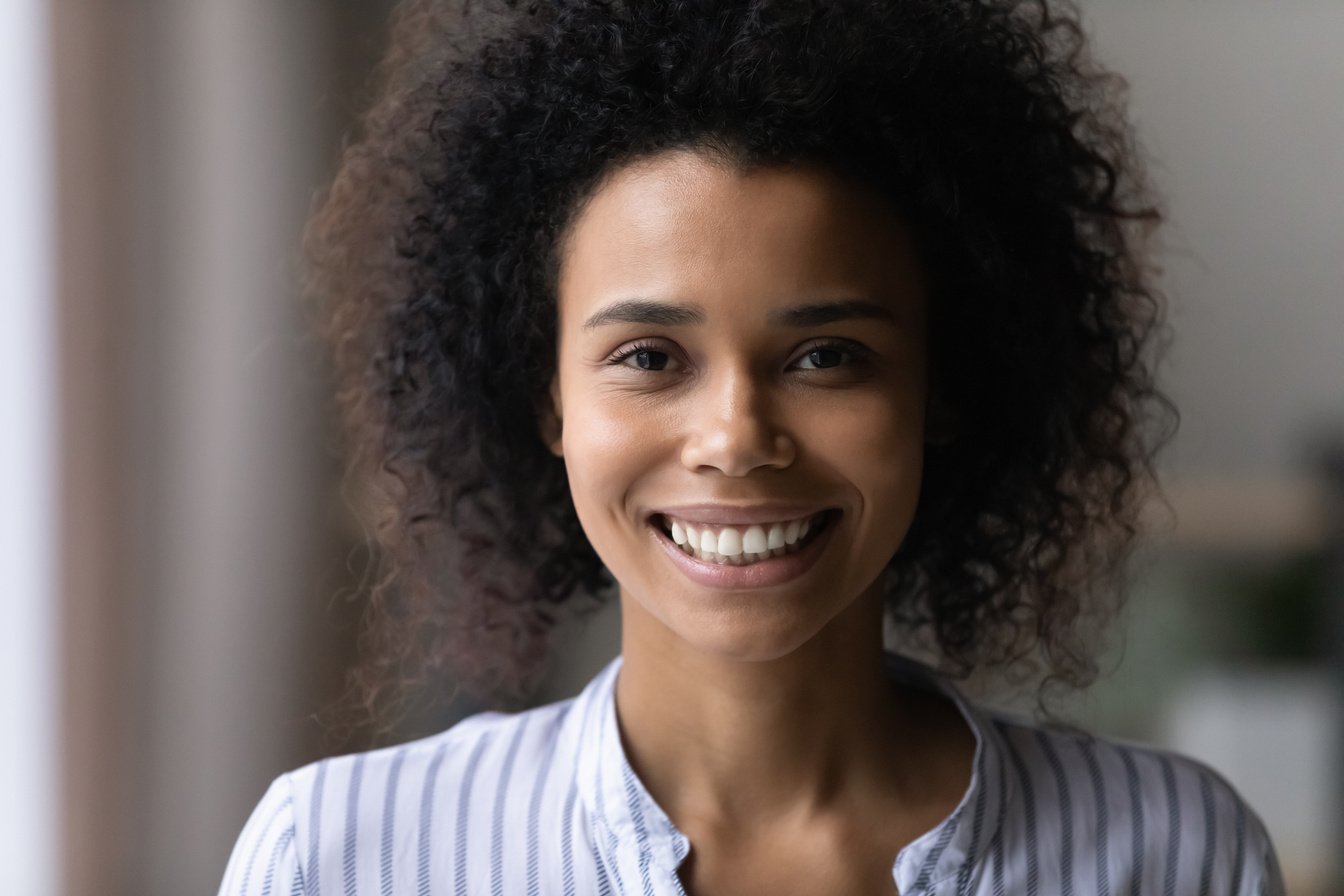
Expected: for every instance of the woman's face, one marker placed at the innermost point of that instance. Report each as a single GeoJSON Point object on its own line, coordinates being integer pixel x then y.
{"type": "Point", "coordinates": [742, 369]}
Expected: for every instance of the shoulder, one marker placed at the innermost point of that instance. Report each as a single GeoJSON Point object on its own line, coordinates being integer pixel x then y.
{"type": "Point", "coordinates": [356, 819]}
{"type": "Point", "coordinates": [478, 750]}
{"type": "Point", "coordinates": [1152, 819]}
{"type": "Point", "coordinates": [265, 857]}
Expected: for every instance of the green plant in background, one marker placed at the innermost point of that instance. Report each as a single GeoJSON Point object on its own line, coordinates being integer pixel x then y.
{"type": "Point", "coordinates": [1276, 607]}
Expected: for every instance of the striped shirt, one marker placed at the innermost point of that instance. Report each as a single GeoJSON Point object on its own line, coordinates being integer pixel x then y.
{"type": "Point", "coordinates": [545, 802]}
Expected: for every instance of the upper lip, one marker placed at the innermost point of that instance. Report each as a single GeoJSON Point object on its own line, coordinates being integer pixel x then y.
{"type": "Point", "coordinates": [741, 514]}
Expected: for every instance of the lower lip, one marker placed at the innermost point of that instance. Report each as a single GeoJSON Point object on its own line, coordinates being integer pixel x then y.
{"type": "Point", "coordinates": [762, 574]}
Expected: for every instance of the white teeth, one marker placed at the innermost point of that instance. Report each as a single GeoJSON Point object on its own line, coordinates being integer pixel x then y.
{"type": "Point", "coordinates": [732, 546]}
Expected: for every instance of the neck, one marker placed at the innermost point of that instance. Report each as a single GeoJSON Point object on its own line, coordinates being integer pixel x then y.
{"type": "Point", "coordinates": [722, 740]}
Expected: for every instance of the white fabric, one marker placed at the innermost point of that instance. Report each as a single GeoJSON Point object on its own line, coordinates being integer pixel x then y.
{"type": "Point", "coordinates": [544, 802]}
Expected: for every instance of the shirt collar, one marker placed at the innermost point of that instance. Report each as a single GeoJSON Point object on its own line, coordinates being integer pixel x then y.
{"type": "Point", "coordinates": [626, 818]}
{"type": "Point", "coordinates": [953, 848]}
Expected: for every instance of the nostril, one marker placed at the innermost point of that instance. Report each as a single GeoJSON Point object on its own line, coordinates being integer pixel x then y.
{"type": "Point", "coordinates": [738, 445]}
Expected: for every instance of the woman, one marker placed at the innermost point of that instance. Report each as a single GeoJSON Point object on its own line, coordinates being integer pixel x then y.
{"type": "Point", "coordinates": [788, 318]}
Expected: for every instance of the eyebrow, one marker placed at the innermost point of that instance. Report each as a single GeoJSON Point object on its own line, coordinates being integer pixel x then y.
{"type": "Point", "coordinates": [644, 311]}
{"type": "Point", "coordinates": [816, 313]}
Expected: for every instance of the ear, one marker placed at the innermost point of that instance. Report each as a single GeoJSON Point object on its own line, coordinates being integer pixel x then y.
{"type": "Point", "coordinates": [941, 421]}
{"type": "Point", "coordinates": [550, 419]}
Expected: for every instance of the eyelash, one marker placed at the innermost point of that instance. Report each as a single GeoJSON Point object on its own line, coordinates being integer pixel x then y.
{"type": "Point", "coordinates": [857, 353]}
{"type": "Point", "coordinates": [630, 351]}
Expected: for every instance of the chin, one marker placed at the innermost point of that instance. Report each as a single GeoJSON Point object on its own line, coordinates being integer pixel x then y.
{"type": "Point", "coordinates": [745, 636]}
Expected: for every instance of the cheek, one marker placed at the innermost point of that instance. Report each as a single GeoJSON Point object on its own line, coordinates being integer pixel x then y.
{"type": "Point", "coordinates": [878, 447]}
{"type": "Point", "coordinates": [608, 446]}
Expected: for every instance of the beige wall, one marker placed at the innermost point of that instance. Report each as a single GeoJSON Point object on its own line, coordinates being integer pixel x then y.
{"type": "Point", "coordinates": [1239, 104]}
{"type": "Point", "coordinates": [204, 544]}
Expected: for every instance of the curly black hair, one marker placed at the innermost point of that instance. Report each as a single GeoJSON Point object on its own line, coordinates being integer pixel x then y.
{"type": "Point", "coordinates": [434, 260]}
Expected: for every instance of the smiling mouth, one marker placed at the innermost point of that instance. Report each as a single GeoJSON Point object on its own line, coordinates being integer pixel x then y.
{"type": "Point", "coordinates": [743, 545]}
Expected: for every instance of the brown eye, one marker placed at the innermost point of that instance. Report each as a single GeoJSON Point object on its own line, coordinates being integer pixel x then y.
{"type": "Point", "coordinates": [825, 357]}
{"type": "Point", "coordinates": [642, 357]}
{"type": "Point", "coordinates": [646, 359]}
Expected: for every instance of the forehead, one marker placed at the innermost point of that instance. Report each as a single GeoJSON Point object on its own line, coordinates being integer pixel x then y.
{"type": "Point", "coordinates": [691, 227]}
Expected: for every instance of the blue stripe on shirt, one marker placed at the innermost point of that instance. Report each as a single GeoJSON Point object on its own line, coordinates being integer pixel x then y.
{"type": "Point", "coordinates": [547, 803]}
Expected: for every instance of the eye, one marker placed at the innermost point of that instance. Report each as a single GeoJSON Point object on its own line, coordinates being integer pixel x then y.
{"type": "Point", "coordinates": [828, 355]}
{"type": "Point", "coordinates": [823, 357]}
{"type": "Point", "coordinates": [645, 359]}
{"type": "Point", "coordinates": [641, 356]}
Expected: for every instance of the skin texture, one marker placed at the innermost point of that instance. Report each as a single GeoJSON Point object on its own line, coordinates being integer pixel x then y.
{"type": "Point", "coordinates": [759, 718]}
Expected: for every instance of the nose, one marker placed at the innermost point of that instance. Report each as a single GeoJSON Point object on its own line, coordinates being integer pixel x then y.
{"type": "Point", "coordinates": [734, 429]}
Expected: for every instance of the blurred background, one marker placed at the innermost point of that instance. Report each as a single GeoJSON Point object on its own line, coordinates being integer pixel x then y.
{"type": "Point", "coordinates": [179, 563]}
